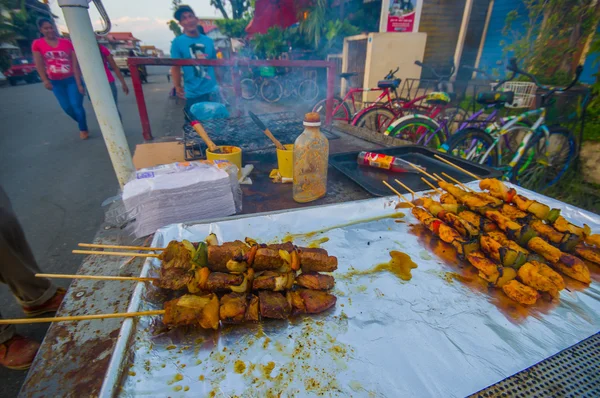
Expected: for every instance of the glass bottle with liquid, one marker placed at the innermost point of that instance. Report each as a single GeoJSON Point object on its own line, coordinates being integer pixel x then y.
{"type": "Point", "coordinates": [311, 158]}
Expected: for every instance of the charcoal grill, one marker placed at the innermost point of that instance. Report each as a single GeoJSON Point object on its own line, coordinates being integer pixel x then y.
{"type": "Point", "coordinates": [244, 133]}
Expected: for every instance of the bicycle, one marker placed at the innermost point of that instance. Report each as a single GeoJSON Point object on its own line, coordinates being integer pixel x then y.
{"type": "Point", "coordinates": [265, 83]}
{"type": "Point", "coordinates": [432, 127]}
{"type": "Point", "coordinates": [341, 110]}
{"type": "Point", "coordinates": [544, 153]}
{"type": "Point", "coordinates": [296, 85]}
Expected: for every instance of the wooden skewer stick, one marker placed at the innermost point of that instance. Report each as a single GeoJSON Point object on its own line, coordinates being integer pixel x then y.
{"type": "Point", "coordinates": [457, 167]}
{"type": "Point", "coordinates": [432, 186]}
{"type": "Point", "coordinates": [101, 246]}
{"type": "Point", "coordinates": [96, 277]}
{"type": "Point", "coordinates": [439, 178]}
{"type": "Point", "coordinates": [405, 187]}
{"type": "Point", "coordinates": [398, 193]}
{"type": "Point", "coordinates": [423, 171]}
{"type": "Point", "coordinates": [79, 317]}
{"type": "Point", "coordinates": [124, 254]}
{"type": "Point", "coordinates": [460, 184]}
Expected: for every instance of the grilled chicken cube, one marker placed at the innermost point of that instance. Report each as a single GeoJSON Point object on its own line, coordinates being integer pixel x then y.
{"type": "Point", "coordinates": [446, 198]}
{"type": "Point", "coordinates": [273, 305]}
{"type": "Point", "coordinates": [267, 259]}
{"type": "Point", "coordinates": [588, 253]}
{"type": "Point", "coordinates": [485, 266]}
{"type": "Point", "coordinates": [190, 309]}
{"type": "Point", "coordinates": [520, 293]}
{"type": "Point", "coordinates": [574, 267]}
{"type": "Point", "coordinates": [529, 274]}
{"type": "Point", "coordinates": [315, 281]}
{"type": "Point", "coordinates": [176, 255]}
{"type": "Point", "coordinates": [233, 308]}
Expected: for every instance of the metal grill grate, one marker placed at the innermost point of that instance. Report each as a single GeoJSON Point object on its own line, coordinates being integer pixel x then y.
{"type": "Point", "coordinates": [244, 133]}
{"type": "Point", "coordinates": [574, 372]}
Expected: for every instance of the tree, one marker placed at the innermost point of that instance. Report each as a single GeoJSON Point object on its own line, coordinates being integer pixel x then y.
{"type": "Point", "coordinates": [238, 7]}
{"type": "Point", "coordinates": [548, 42]}
{"type": "Point", "coordinates": [172, 24]}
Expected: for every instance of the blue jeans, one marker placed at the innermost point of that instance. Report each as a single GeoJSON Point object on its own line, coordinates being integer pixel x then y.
{"type": "Point", "coordinates": [70, 100]}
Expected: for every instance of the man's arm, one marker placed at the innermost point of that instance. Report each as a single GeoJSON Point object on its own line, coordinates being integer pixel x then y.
{"type": "Point", "coordinates": [117, 71]}
{"type": "Point", "coordinates": [39, 65]}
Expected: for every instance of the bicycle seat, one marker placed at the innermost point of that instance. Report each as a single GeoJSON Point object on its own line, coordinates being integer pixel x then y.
{"type": "Point", "coordinates": [394, 83]}
{"type": "Point", "coordinates": [495, 97]}
{"type": "Point", "coordinates": [348, 75]}
{"type": "Point", "coordinates": [438, 98]}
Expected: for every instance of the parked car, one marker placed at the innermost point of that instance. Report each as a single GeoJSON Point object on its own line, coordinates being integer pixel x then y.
{"type": "Point", "coordinates": [22, 68]}
{"type": "Point", "coordinates": [121, 56]}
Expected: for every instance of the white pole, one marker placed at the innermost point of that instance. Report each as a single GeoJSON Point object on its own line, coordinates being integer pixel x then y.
{"type": "Point", "coordinates": [82, 34]}
{"type": "Point", "coordinates": [488, 16]}
{"type": "Point", "coordinates": [462, 35]}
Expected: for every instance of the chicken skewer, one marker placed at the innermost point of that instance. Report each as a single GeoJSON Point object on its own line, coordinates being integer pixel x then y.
{"type": "Point", "coordinates": [526, 237]}
{"type": "Point", "coordinates": [489, 270]}
{"type": "Point", "coordinates": [207, 311]}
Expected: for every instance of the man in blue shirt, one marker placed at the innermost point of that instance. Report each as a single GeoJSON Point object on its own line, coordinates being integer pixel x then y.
{"type": "Point", "coordinates": [199, 82]}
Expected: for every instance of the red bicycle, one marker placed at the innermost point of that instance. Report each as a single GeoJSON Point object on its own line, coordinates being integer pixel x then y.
{"type": "Point", "coordinates": [345, 109]}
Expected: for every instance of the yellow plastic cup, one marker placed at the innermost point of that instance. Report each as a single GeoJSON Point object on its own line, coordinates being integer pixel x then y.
{"type": "Point", "coordinates": [232, 154]}
{"type": "Point", "coordinates": [285, 161]}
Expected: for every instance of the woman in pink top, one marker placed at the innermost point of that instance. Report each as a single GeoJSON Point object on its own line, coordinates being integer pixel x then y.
{"type": "Point", "coordinates": [56, 64]}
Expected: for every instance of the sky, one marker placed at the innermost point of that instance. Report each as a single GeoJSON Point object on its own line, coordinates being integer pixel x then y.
{"type": "Point", "coordinates": [146, 19]}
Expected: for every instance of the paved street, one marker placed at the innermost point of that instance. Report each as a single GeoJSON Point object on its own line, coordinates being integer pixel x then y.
{"type": "Point", "coordinates": [57, 182]}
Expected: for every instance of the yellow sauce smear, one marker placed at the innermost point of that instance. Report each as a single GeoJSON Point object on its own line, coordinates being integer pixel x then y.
{"type": "Point", "coordinates": [239, 367]}
{"type": "Point", "coordinates": [315, 244]}
{"type": "Point", "coordinates": [400, 266]}
{"type": "Point", "coordinates": [292, 237]}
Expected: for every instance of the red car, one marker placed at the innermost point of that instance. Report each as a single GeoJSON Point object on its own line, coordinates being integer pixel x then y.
{"type": "Point", "coordinates": [22, 69]}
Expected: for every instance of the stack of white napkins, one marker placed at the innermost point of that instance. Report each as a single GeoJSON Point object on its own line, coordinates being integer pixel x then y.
{"type": "Point", "coordinates": [190, 194]}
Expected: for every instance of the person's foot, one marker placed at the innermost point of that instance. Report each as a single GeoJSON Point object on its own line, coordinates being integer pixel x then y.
{"type": "Point", "coordinates": [84, 135]}
{"type": "Point", "coordinates": [49, 306]}
{"type": "Point", "coordinates": [18, 352]}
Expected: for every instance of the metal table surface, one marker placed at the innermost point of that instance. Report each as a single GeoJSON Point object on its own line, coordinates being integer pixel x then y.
{"type": "Point", "coordinates": [74, 356]}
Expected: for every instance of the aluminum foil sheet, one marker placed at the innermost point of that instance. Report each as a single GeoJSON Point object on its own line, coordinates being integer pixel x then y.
{"type": "Point", "coordinates": [441, 333]}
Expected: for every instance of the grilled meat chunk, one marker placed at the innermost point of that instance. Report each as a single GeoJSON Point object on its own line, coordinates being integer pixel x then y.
{"type": "Point", "coordinates": [222, 281]}
{"type": "Point", "coordinates": [315, 281]}
{"type": "Point", "coordinates": [273, 305]}
{"type": "Point", "coordinates": [316, 260]}
{"type": "Point", "coordinates": [219, 256]}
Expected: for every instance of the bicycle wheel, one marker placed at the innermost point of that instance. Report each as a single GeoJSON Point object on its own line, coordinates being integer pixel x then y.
{"type": "Point", "coordinates": [342, 114]}
{"type": "Point", "coordinates": [417, 129]}
{"type": "Point", "coordinates": [545, 159]}
{"type": "Point", "coordinates": [289, 88]}
{"type": "Point", "coordinates": [472, 144]}
{"type": "Point", "coordinates": [375, 119]}
{"type": "Point", "coordinates": [271, 90]}
{"type": "Point", "coordinates": [308, 90]}
{"type": "Point", "coordinates": [249, 89]}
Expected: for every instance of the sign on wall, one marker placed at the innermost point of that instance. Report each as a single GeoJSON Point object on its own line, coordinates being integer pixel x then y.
{"type": "Point", "coordinates": [400, 15]}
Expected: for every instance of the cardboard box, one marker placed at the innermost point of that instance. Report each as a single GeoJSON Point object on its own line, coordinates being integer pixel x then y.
{"type": "Point", "coordinates": [157, 153]}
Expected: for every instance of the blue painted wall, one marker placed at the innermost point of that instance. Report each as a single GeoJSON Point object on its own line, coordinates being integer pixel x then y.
{"type": "Point", "coordinates": [492, 49]}
{"type": "Point", "coordinates": [589, 69]}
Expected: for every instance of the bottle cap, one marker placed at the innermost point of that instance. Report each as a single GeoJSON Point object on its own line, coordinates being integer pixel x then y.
{"type": "Point", "coordinates": [312, 119]}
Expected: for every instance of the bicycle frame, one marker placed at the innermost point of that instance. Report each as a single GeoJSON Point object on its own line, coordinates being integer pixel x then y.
{"type": "Point", "coordinates": [498, 132]}
{"type": "Point", "coordinates": [350, 95]}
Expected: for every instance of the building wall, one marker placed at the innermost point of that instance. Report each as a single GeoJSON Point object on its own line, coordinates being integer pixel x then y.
{"type": "Point", "coordinates": [492, 53]}
{"type": "Point", "coordinates": [441, 20]}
